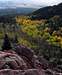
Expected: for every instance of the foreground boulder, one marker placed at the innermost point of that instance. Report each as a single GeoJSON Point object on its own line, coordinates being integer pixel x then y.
{"type": "Point", "coordinates": [23, 61]}
{"type": "Point", "coordinates": [10, 60]}
{"type": "Point", "coordinates": [13, 64]}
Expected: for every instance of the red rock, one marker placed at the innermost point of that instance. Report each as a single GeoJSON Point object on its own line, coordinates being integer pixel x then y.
{"type": "Point", "coordinates": [23, 61]}
{"type": "Point", "coordinates": [24, 51]}
{"type": "Point", "coordinates": [12, 60]}
{"type": "Point", "coordinates": [33, 72]}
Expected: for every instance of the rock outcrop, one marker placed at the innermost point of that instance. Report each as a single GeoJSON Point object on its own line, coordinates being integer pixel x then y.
{"type": "Point", "coordinates": [23, 61]}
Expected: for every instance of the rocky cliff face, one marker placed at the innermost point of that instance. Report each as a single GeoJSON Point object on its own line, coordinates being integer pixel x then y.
{"type": "Point", "coordinates": [23, 61]}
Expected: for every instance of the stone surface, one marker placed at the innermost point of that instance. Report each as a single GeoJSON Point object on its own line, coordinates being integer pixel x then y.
{"type": "Point", "coordinates": [23, 61]}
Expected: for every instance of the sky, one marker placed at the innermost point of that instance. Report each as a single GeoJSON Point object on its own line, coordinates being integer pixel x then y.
{"type": "Point", "coordinates": [28, 3]}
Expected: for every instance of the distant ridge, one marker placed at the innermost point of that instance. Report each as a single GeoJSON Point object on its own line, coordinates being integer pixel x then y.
{"type": "Point", "coordinates": [17, 11]}
{"type": "Point", "coordinates": [49, 11]}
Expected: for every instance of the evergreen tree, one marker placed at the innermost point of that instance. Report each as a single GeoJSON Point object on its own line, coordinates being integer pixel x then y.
{"type": "Point", "coordinates": [6, 43]}
{"type": "Point", "coordinates": [16, 39]}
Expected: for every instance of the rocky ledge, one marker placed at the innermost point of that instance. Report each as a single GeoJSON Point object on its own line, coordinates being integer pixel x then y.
{"type": "Point", "coordinates": [23, 61]}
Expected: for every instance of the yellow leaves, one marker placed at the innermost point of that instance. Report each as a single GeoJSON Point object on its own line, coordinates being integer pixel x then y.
{"type": "Point", "coordinates": [24, 42]}
{"type": "Point", "coordinates": [54, 33]}
{"type": "Point", "coordinates": [59, 39]}
{"type": "Point", "coordinates": [40, 29]}
{"type": "Point", "coordinates": [46, 29]}
{"type": "Point", "coordinates": [26, 21]}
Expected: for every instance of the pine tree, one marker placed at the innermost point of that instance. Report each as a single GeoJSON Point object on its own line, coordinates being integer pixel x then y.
{"type": "Point", "coordinates": [6, 43]}
{"type": "Point", "coordinates": [16, 39]}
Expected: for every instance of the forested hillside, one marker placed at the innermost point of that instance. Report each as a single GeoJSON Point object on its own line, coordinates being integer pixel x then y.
{"type": "Point", "coordinates": [48, 12]}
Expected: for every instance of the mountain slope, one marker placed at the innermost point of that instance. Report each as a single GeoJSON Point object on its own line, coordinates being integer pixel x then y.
{"type": "Point", "coordinates": [49, 11]}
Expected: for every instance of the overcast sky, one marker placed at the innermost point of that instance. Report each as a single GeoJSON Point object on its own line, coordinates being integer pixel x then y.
{"type": "Point", "coordinates": [28, 3]}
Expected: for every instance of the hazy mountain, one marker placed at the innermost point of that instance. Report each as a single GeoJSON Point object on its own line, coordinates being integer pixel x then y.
{"type": "Point", "coordinates": [49, 11]}
{"type": "Point", "coordinates": [13, 11]}
{"type": "Point", "coordinates": [13, 7]}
